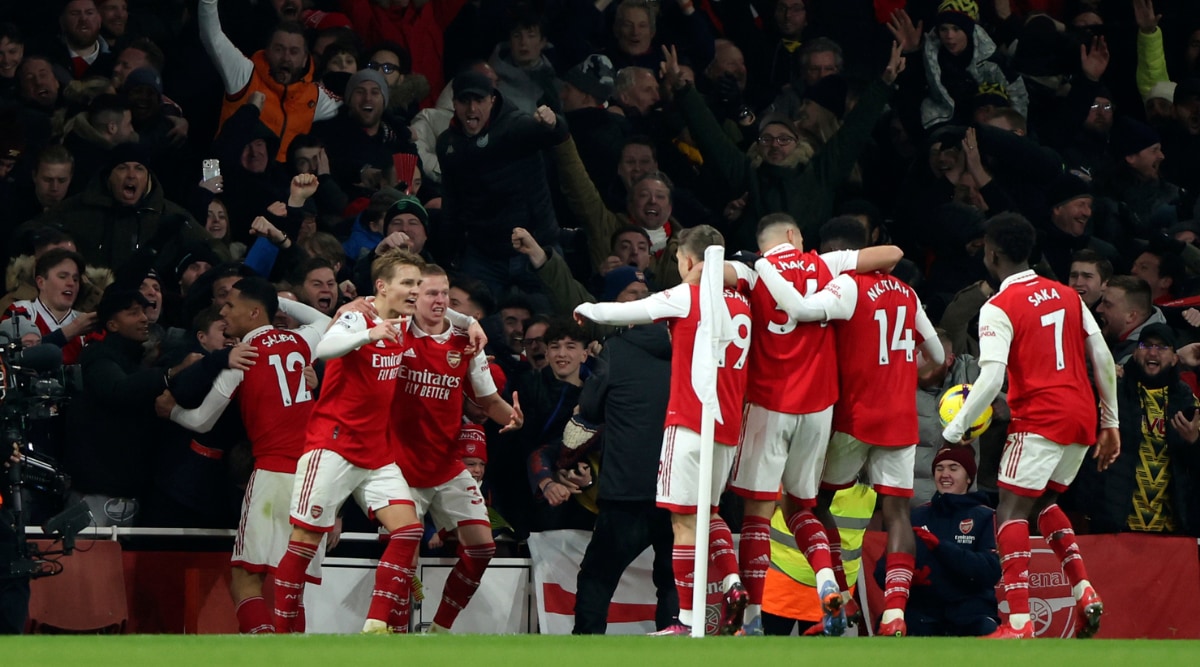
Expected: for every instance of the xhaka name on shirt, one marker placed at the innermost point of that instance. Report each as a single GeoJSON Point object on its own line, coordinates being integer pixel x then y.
{"type": "Point", "coordinates": [799, 265]}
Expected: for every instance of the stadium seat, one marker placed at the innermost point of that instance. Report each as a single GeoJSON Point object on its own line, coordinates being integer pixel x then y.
{"type": "Point", "coordinates": [88, 597]}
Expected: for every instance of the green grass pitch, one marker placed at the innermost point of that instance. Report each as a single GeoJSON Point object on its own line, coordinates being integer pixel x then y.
{"type": "Point", "coordinates": [527, 650]}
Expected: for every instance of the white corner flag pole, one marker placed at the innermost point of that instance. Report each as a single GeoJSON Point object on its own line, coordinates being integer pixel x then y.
{"type": "Point", "coordinates": [703, 519]}
{"type": "Point", "coordinates": [707, 350]}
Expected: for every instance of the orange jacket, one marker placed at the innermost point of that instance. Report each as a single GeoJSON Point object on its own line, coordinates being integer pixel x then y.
{"type": "Point", "coordinates": [288, 111]}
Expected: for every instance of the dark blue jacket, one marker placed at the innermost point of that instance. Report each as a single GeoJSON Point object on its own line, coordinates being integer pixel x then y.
{"type": "Point", "coordinates": [964, 567]}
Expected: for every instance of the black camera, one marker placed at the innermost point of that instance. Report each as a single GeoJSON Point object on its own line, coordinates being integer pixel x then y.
{"type": "Point", "coordinates": [33, 387]}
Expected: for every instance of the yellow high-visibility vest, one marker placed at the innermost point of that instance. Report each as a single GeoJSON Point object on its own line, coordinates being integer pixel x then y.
{"type": "Point", "coordinates": [791, 584]}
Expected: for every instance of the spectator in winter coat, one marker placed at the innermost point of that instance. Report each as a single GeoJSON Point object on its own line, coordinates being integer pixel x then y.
{"type": "Point", "coordinates": [493, 180]}
{"type": "Point", "coordinates": [954, 580]}
{"type": "Point", "coordinates": [628, 395]}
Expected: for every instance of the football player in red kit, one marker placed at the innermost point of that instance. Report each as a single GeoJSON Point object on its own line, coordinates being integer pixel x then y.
{"type": "Point", "coordinates": [1041, 335]}
{"type": "Point", "coordinates": [790, 392]}
{"type": "Point", "coordinates": [678, 476]}
{"type": "Point", "coordinates": [273, 397]}
{"type": "Point", "coordinates": [347, 451]}
{"type": "Point", "coordinates": [437, 367]}
{"type": "Point", "coordinates": [875, 417]}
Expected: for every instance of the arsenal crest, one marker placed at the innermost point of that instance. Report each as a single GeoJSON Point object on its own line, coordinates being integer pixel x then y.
{"type": "Point", "coordinates": [454, 358]}
{"type": "Point", "coordinates": [317, 510]}
{"type": "Point", "coordinates": [966, 525]}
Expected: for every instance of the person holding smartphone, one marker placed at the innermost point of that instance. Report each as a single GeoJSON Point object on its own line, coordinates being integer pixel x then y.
{"type": "Point", "coordinates": [1154, 485]}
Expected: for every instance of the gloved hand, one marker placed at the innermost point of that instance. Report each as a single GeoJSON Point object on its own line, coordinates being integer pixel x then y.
{"type": "Point", "coordinates": [921, 577]}
{"type": "Point", "coordinates": [730, 96]}
{"type": "Point", "coordinates": [923, 534]}
{"type": "Point", "coordinates": [745, 257]}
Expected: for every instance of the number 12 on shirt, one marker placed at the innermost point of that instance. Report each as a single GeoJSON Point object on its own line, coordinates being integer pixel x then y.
{"type": "Point", "coordinates": [295, 363]}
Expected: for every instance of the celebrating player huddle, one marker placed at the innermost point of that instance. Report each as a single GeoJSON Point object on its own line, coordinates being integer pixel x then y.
{"type": "Point", "coordinates": [377, 433]}
{"type": "Point", "coordinates": [815, 386]}
{"type": "Point", "coordinates": [825, 363]}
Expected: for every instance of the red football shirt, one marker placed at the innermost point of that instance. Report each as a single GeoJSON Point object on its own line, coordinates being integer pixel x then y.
{"type": "Point", "coordinates": [428, 404]}
{"type": "Point", "coordinates": [1037, 327]}
{"type": "Point", "coordinates": [793, 365]}
{"type": "Point", "coordinates": [680, 308]}
{"type": "Point", "coordinates": [351, 416]}
{"type": "Point", "coordinates": [683, 407]}
{"type": "Point", "coordinates": [877, 361]}
{"type": "Point", "coordinates": [274, 398]}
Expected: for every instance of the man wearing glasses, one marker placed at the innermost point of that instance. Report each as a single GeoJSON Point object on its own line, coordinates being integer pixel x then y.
{"type": "Point", "coordinates": [1154, 485]}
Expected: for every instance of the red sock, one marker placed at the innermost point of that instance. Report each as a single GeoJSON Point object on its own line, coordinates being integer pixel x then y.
{"type": "Point", "coordinates": [721, 555]}
{"type": "Point", "coordinates": [898, 580]}
{"type": "Point", "coordinates": [754, 555]}
{"type": "Point", "coordinates": [683, 561]}
{"type": "Point", "coordinates": [811, 539]}
{"type": "Point", "coordinates": [463, 581]}
{"type": "Point", "coordinates": [1012, 540]}
{"type": "Point", "coordinates": [289, 584]}
{"type": "Point", "coordinates": [1056, 528]}
{"type": "Point", "coordinates": [393, 577]}
{"type": "Point", "coordinates": [835, 559]}
{"type": "Point", "coordinates": [254, 617]}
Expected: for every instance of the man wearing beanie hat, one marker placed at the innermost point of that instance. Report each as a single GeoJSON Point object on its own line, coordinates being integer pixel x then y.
{"type": "Point", "coordinates": [1154, 485]}
{"type": "Point", "coordinates": [1069, 203]}
{"type": "Point", "coordinates": [408, 217]}
{"type": "Point", "coordinates": [360, 141]}
{"type": "Point", "coordinates": [954, 581]}
{"type": "Point", "coordinates": [588, 84]}
{"type": "Point", "coordinates": [959, 58]}
{"type": "Point", "coordinates": [123, 209]}
{"type": "Point", "coordinates": [624, 283]}
{"type": "Point", "coordinates": [1149, 202]}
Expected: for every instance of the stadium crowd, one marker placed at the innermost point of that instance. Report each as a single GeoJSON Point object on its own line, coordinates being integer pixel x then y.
{"type": "Point", "coordinates": [548, 154]}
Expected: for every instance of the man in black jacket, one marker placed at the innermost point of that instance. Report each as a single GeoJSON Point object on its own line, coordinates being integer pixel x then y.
{"type": "Point", "coordinates": [628, 394]}
{"type": "Point", "coordinates": [1154, 485]}
{"type": "Point", "coordinates": [494, 180]}
{"type": "Point", "coordinates": [112, 425]}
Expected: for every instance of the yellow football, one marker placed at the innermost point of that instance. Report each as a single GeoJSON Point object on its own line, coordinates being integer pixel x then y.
{"type": "Point", "coordinates": [952, 401]}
